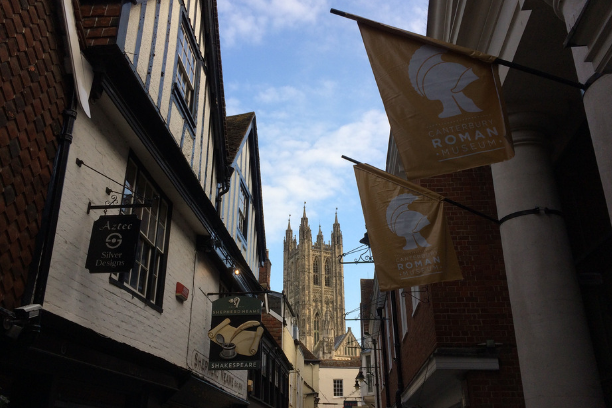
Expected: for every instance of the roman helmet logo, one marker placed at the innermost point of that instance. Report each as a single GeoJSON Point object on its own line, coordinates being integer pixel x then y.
{"type": "Point", "coordinates": [405, 222]}
{"type": "Point", "coordinates": [440, 80]}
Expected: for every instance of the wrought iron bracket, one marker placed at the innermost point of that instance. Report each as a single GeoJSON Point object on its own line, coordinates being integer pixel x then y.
{"type": "Point", "coordinates": [109, 205]}
{"type": "Point", "coordinates": [365, 255]}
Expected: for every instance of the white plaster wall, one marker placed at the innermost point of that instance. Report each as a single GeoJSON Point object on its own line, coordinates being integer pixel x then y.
{"type": "Point", "coordinates": [327, 375]}
{"type": "Point", "coordinates": [89, 299]}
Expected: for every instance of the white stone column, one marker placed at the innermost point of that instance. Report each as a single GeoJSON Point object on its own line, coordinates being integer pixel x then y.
{"type": "Point", "coordinates": [556, 358]}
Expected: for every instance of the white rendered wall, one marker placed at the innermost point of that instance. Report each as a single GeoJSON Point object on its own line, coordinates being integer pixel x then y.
{"type": "Point", "coordinates": [327, 375]}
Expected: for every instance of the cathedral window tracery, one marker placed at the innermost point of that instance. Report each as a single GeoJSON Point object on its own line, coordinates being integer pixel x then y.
{"type": "Point", "coordinates": [316, 329]}
{"type": "Point", "coordinates": [315, 270]}
{"type": "Point", "coordinates": [327, 273]}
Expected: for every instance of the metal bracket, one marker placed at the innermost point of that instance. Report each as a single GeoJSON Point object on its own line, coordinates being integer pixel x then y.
{"type": "Point", "coordinates": [365, 255]}
{"type": "Point", "coordinates": [537, 210]}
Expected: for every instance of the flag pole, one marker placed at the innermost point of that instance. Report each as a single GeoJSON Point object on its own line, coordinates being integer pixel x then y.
{"type": "Point", "coordinates": [448, 200]}
{"type": "Point", "coordinates": [499, 61]}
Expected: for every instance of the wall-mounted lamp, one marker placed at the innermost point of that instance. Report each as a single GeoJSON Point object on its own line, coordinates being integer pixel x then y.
{"type": "Point", "coordinates": [236, 271]}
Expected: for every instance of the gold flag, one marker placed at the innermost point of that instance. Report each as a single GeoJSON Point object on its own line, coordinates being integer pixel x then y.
{"type": "Point", "coordinates": [443, 101]}
{"type": "Point", "coordinates": [407, 230]}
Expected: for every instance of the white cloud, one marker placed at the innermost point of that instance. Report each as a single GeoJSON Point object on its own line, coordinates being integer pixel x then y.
{"type": "Point", "coordinates": [249, 20]}
{"type": "Point", "coordinates": [296, 169]}
{"type": "Point", "coordinates": [233, 106]}
{"type": "Point", "coordinates": [280, 94]}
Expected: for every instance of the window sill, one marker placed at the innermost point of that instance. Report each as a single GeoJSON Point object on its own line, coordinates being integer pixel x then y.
{"type": "Point", "coordinates": [135, 294]}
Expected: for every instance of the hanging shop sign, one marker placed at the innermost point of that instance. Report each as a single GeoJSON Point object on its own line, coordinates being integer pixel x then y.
{"type": "Point", "coordinates": [112, 247]}
{"type": "Point", "coordinates": [235, 334]}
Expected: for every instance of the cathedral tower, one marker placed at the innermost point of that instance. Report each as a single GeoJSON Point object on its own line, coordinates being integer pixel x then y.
{"type": "Point", "coordinates": [313, 280]}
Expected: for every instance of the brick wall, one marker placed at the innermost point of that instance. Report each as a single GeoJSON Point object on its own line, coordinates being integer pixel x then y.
{"type": "Point", "coordinates": [98, 22]}
{"type": "Point", "coordinates": [476, 309]}
{"type": "Point", "coordinates": [32, 98]}
{"type": "Point", "coordinates": [469, 312]}
{"type": "Point", "coordinates": [274, 327]}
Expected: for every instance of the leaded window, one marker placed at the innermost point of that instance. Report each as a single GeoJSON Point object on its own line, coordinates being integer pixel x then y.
{"type": "Point", "coordinates": [316, 329]}
{"type": "Point", "coordinates": [338, 388]}
{"type": "Point", "coordinates": [185, 77]}
{"type": "Point", "coordinates": [315, 272]}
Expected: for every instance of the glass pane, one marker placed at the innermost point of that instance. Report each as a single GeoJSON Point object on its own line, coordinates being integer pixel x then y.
{"type": "Point", "coordinates": [161, 237]}
{"type": "Point", "coordinates": [163, 212]}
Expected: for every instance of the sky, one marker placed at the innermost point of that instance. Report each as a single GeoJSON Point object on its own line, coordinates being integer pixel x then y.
{"type": "Point", "coordinates": [306, 75]}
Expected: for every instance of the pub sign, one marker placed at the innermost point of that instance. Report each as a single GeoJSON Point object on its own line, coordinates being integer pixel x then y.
{"type": "Point", "coordinates": [235, 334]}
{"type": "Point", "coordinates": [112, 247]}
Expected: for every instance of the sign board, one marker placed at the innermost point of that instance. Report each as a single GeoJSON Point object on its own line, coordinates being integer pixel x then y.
{"type": "Point", "coordinates": [112, 247]}
{"type": "Point", "coordinates": [348, 404]}
{"type": "Point", "coordinates": [235, 334]}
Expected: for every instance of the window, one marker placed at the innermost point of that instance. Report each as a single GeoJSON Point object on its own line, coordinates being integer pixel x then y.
{"type": "Point", "coordinates": [327, 273]}
{"type": "Point", "coordinates": [146, 279]}
{"type": "Point", "coordinates": [369, 375]}
{"type": "Point", "coordinates": [338, 388]}
{"type": "Point", "coordinates": [316, 280]}
{"type": "Point", "coordinates": [185, 74]}
{"type": "Point", "coordinates": [402, 296]}
{"type": "Point", "coordinates": [316, 329]}
{"type": "Point", "coordinates": [243, 211]}
{"type": "Point", "coordinates": [415, 291]}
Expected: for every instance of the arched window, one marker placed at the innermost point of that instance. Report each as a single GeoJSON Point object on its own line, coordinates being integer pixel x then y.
{"type": "Point", "coordinates": [327, 273]}
{"type": "Point", "coordinates": [315, 270]}
{"type": "Point", "coordinates": [316, 329]}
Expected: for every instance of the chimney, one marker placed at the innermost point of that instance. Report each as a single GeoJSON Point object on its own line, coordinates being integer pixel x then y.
{"type": "Point", "coordinates": [264, 272]}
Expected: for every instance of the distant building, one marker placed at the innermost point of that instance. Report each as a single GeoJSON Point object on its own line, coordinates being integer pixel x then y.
{"type": "Point", "coordinates": [313, 280]}
{"type": "Point", "coordinates": [303, 378]}
{"type": "Point", "coordinates": [337, 382]}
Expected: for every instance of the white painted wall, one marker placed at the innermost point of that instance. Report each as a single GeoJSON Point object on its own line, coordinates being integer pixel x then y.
{"type": "Point", "coordinates": [326, 385]}
{"type": "Point", "coordinates": [179, 334]}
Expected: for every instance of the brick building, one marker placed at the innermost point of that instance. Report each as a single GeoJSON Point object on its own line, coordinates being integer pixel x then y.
{"type": "Point", "coordinates": [457, 338]}
{"type": "Point", "coordinates": [120, 105]}
{"type": "Point", "coordinates": [530, 322]}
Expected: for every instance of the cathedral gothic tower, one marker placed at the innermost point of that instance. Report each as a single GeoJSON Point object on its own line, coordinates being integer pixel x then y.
{"type": "Point", "coordinates": [313, 280]}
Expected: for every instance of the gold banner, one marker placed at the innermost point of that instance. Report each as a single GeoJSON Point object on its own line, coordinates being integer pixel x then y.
{"type": "Point", "coordinates": [408, 234]}
{"type": "Point", "coordinates": [443, 102]}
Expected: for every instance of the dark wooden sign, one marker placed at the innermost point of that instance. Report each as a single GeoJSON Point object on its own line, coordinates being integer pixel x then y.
{"type": "Point", "coordinates": [112, 247]}
{"type": "Point", "coordinates": [235, 334]}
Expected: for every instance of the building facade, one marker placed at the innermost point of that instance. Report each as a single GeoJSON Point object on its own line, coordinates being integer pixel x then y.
{"type": "Point", "coordinates": [449, 344]}
{"type": "Point", "coordinates": [556, 259]}
{"type": "Point", "coordinates": [313, 280]}
{"type": "Point", "coordinates": [337, 382]}
{"type": "Point", "coordinates": [143, 133]}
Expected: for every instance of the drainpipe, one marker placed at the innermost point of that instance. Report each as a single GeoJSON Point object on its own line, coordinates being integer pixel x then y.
{"type": "Point", "coordinates": [398, 353]}
{"type": "Point", "coordinates": [224, 188]}
{"type": "Point", "coordinates": [379, 311]}
{"type": "Point", "coordinates": [41, 262]}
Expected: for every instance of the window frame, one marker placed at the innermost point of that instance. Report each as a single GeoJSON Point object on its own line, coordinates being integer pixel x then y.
{"type": "Point", "coordinates": [120, 279]}
{"type": "Point", "coordinates": [327, 273]}
{"type": "Point", "coordinates": [188, 112]}
{"type": "Point", "coordinates": [415, 291]}
{"type": "Point", "coordinates": [316, 273]}
{"type": "Point", "coordinates": [340, 382]}
{"type": "Point", "coordinates": [243, 192]}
